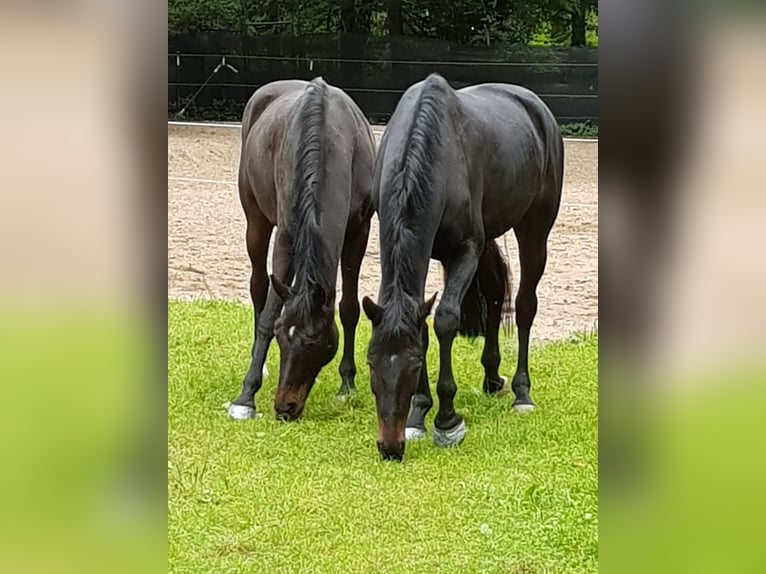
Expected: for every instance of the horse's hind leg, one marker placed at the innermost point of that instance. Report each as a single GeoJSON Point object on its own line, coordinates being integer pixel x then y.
{"type": "Point", "coordinates": [449, 426]}
{"type": "Point", "coordinates": [257, 237]}
{"type": "Point", "coordinates": [493, 282]}
{"type": "Point", "coordinates": [532, 237]}
{"type": "Point", "coordinates": [354, 247]}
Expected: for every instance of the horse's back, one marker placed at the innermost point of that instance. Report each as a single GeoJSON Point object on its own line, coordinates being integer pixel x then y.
{"type": "Point", "coordinates": [272, 131]}
{"type": "Point", "coordinates": [515, 120]}
{"type": "Point", "coordinates": [410, 127]}
{"type": "Point", "coordinates": [517, 148]}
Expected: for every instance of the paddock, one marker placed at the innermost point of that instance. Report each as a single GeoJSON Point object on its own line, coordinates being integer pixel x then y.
{"type": "Point", "coordinates": [520, 494]}
{"type": "Point", "coordinates": [206, 249]}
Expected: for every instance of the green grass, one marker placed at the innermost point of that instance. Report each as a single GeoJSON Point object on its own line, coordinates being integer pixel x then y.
{"type": "Point", "coordinates": [519, 495]}
{"type": "Point", "coordinates": [579, 130]}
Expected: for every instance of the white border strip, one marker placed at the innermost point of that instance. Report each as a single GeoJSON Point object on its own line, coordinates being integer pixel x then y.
{"type": "Point", "coordinates": [375, 128]}
{"type": "Point", "coordinates": [224, 182]}
{"type": "Point", "coordinates": [198, 180]}
{"type": "Point", "coordinates": [203, 124]}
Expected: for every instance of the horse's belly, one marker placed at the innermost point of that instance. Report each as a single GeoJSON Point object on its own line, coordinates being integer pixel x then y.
{"type": "Point", "coordinates": [508, 191]}
{"type": "Point", "coordinates": [262, 186]}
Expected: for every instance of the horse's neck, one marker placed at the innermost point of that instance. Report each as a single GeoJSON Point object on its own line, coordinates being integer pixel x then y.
{"type": "Point", "coordinates": [404, 264]}
{"type": "Point", "coordinates": [410, 282]}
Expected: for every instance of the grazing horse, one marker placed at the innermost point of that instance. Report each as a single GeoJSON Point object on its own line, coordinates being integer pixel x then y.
{"type": "Point", "coordinates": [455, 170]}
{"type": "Point", "coordinates": [306, 167]}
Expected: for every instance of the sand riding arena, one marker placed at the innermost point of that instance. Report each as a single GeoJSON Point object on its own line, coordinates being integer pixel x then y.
{"type": "Point", "coordinates": [206, 247]}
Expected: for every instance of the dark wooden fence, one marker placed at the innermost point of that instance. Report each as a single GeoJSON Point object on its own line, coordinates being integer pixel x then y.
{"type": "Point", "coordinates": [374, 71]}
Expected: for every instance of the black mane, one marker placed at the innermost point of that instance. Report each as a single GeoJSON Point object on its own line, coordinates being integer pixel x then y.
{"type": "Point", "coordinates": [407, 203]}
{"type": "Point", "coordinates": [311, 256]}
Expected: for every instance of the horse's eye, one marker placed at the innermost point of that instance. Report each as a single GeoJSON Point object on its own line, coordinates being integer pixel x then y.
{"type": "Point", "coordinates": [414, 366]}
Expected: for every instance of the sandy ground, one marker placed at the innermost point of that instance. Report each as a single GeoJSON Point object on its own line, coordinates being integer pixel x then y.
{"type": "Point", "coordinates": [206, 249]}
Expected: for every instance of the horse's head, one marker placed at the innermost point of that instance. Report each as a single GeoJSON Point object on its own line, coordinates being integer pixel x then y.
{"type": "Point", "coordinates": [308, 339]}
{"type": "Point", "coordinates": [395, 357]}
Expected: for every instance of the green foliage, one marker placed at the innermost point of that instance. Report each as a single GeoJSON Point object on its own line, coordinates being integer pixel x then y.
{"type": "Point", "coordinates": [519, 495]}
{"type": "Point", "coordinates": [219, 111]}
{"type": "Point", "coordinates": [482, 22]}
{"type": "Point", "coordinates": [579, 130]}
{"type": "Point", "coordinates": [195, 15]}
{"type": "Point", "coordinates": [477, 22]}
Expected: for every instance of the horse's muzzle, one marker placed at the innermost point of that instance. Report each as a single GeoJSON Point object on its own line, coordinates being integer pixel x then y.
{"type": "Point", "coordinates": [288, 410]}
{"type": "Point", "coordinates": [391, 451]}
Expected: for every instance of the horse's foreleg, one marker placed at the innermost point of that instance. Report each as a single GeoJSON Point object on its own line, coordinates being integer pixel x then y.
{"type": "Point", "coordinates": [244, 405]}
{"type": "Point", "coordinates": [532, 237]}
{"type": "Point", "coordinates": [449, 426]}
{"type": "Point", "coordinates": [421, 401]}
{"type": "Point", "coordinates": [354, 247]}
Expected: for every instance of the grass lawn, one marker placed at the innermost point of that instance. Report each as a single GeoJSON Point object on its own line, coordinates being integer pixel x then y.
{"type": "Point", "coordinates": [520, 495]}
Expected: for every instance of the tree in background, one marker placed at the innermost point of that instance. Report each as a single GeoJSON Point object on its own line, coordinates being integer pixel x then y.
{"type": "Point", "coordinates": [568, 20]}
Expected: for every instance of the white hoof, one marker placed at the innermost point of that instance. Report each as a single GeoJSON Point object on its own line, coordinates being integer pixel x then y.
{"type": "Point", "coordinates": [242, 413]}
{"type": "Point", "coordinates": [343, 397]}
{"type": "Point", "coordinates": [451, 437]}
{"type": "Point", "coordinates": [412, 433]}
{"type": "Point", "coordinates": [505, 389]}
{"type": "Point", "coordinates": [524, 408]}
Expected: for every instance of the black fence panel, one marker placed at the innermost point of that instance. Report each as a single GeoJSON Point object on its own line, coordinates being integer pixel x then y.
{"type": "Point", "coordinates": [374, 71]}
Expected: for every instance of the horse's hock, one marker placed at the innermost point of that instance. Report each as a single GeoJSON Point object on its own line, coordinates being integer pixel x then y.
{"type": "Point", "coordinates": [206, 248]}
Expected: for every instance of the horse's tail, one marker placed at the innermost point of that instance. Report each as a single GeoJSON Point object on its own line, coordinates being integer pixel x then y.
{"type": "Point", "coordinates": [309, 244]}
{"type": "Point", "coordinates": [491, 285]}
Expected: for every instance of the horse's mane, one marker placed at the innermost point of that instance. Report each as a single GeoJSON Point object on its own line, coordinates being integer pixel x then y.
{"type": "Point", "coordinates": [311, 255]}
{"type": "Point", "coordinates": [408, 198]}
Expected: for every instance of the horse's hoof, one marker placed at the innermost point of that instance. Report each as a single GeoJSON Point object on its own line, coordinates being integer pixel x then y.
{"type": "Point", "coordinates": [505, 389]}
{"type": "Point", "coordinates": [242, 413]}
{"type": "Point", "coordinates": [451, 437]}
{"type": "Point", "coordinates": [523, 407]}
{"type": "Point", "coordinates": [345, 395]}
{"type": "Point", "coordinates": [414, 433]}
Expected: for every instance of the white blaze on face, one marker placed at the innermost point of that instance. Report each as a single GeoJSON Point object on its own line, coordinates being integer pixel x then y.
{"type": "Point", "coordinates": [392, 358]}
{"type": "Point", "coordinates": [291, 332]}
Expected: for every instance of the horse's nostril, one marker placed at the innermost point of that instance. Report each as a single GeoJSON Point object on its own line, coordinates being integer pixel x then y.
{"type": "Point", "coordinates": [287, 410]}
{"type": "Point", "coordinates": [391, 452]}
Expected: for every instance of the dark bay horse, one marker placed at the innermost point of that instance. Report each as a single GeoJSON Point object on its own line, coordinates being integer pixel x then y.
{"type": "Point", "coordinates": [455, 170]}
{"type": "Point", "coordinates": [306, 168]}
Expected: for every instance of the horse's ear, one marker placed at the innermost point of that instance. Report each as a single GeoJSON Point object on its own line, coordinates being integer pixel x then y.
{"type": "Point", "coordinates": [428, 305]}
{"type": "Point", "coordinates": [281, 290]}
{"type": "Point", "coordinates": [319, 296]}
{"type": "Point", "coordinates": [373, 311]}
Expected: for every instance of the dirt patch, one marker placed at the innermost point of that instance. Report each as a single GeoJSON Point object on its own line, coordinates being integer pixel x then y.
{"type": "Point", "coordinates": [206, 248]}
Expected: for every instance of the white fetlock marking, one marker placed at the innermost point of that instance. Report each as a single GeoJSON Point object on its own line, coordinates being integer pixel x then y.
{"type": "Point", "coordinates": [243, 413]}
{"type": "Point", "coordinates": [524, 408]}
{"type": "Point", "coordinates": [450, 437]}
{"type": "Point", "coordinates": [505, 389]}
{"type": "Point", "coordinates": [413, 433]}
{"type": "Point", "coordinates": [343, 397]}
